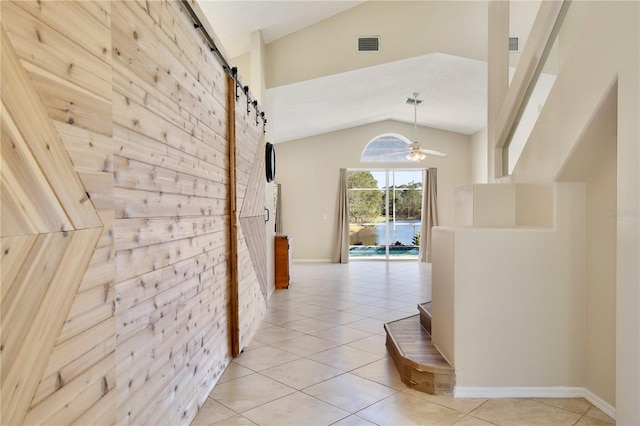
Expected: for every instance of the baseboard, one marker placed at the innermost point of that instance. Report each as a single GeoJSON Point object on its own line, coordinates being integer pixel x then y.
{"type": "Point", "coordinates": [536, 392]}
{"type": "Point", "coordinates": [520, 392]}
{"type": "Point", "coordinates": [603, 405]}
{"type": "Point", "coordinates": [311, 260]}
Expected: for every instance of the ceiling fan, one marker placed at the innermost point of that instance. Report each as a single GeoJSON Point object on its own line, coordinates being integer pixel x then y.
{"type": "Point", "coordinates": [416, 152]}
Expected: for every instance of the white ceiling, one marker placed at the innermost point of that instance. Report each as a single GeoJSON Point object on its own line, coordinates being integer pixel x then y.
{"type": "Point", "coordinates": [454, 89]}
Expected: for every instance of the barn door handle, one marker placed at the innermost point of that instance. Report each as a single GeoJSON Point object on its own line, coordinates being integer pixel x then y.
{"type": "Point", "coordinates": [266, 214]}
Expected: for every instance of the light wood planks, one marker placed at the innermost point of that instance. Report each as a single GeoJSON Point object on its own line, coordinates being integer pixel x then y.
{"type": "Point", "coordinates": [29, 204]}
{"type": "Point", "coordinates": [14, 249]}
{"type": "Point", "coordinates": [23, 364]}
{"type": "Point", "coordinates": [68, 103]}
{"type": "Point", "coordinates": [21, 102]}
{"type": "Point", "coordinates": [250, 196]}
{"type": "Point", "coordinates": [42, 38]}
{"type": "Point", "coordinates": [256, 242]}
{"type": "Point", "coordinates": [71, 400]}
{"type": "Point", "coordinates": [116, 183]}
{"type": "Point", "coordinates": [88, 150]}
{"type": "Point", "coordinates": [172, 218]}
{"type": "Point", "coordinates": [21, 303]}
{"type": "Point", "coordinates": [252, 216]}
{"type": "Point", "coordinates": [56, 86]}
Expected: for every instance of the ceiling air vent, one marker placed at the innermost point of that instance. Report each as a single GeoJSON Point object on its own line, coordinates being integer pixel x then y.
{"type": "Point", "coordinates": [369, 44]}
{"type": "Point", "coordinates": [513, 44]}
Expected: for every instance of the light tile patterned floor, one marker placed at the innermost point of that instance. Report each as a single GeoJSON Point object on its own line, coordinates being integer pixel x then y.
{"type": "Point", "coordinates": [319, 359]}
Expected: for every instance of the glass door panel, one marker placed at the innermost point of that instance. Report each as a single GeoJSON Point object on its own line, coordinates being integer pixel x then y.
{"type": "Point", "coordinates": [384, 213]}
{"type": "Point", "coordinates": [405, 194]}
{"type": "Point", "coordinates": [367, 200]}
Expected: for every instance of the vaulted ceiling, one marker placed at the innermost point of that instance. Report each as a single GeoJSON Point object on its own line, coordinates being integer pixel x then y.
{"type": "Point", "coordinates": [235, 20]}
{"type": "Point", "coordinates": [453, 87]}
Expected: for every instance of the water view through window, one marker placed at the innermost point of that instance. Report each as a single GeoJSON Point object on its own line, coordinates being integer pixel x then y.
{"type": "Point", "coordinates": [385, 209]}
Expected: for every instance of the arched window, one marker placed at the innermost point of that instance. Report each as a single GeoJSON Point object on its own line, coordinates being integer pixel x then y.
{"type": "Point", "coordinates": [386, 148]}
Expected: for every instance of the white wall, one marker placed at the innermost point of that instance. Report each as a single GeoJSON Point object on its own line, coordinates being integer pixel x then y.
{"type": "Point", "coordinates": [601, 277]}
{"type": "Point", "coordinates": [535, 205]}
{"type": "Point", "coordinates": [521, 17]}
{"type": "Point", "coordinates": [518, 300]}
{"type": "Point", "coordinates": [602, 58]}
{"type": "Point", "coordinates": [598, 76]}
{"type": "Point", "coordinates": [406, 28]}
{"type": "Point", "coordinates": [479, 157]}
{"type": "Point", "coordinates": [243, 63]}
{"type": "Point", "coordinates": [443, 293]}
{"type": "Point", "coordinates": [494, 205]}
{"type": "Point", "coordinates": [308, 170]}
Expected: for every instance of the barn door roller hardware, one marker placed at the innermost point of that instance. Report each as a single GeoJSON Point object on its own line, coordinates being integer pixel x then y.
{"type": "Point", "coordinates": [232, 71]}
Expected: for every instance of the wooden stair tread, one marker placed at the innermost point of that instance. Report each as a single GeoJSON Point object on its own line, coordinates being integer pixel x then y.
{"type": "Point", "coordinates": [416, 345]}
{"type": "Point", "coordinates": [425, 306]}
{"type": "Point", "coordinates": [420, 364]}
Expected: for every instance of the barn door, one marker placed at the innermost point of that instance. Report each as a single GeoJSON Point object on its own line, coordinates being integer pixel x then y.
{"type": "Point", "coordinates": [248, 246]}
{"type": "Point", "coordinates": [49, 231]}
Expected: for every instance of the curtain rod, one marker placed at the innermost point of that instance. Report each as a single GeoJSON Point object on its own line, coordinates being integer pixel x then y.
{"type": "Point", "coordinates": [232, 71]}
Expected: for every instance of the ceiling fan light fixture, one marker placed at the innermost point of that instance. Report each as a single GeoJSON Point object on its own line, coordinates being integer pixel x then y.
{"type": "Point", "coordinates": [416, 155]}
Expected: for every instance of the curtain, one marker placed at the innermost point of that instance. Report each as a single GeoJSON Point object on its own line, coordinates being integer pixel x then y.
{"type": "Point", "coordinates": [341, 251]}
{"type": "Point", "coordinates": [278, 208]}
{"type": "Point", "coordinates": [429, 212]}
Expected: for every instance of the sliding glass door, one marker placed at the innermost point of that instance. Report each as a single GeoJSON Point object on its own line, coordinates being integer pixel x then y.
{"type": "Point", "coordinates": [385, 209]}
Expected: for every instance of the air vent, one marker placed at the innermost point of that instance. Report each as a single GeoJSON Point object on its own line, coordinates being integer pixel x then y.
{"type": "Point", "coordinates": [369, 44]}
{"type": "Point", "coordinates": [513, 44]}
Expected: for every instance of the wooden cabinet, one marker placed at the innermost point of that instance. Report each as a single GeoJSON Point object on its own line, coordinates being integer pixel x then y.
{"type": "Point", "coordinates": [283, 258]}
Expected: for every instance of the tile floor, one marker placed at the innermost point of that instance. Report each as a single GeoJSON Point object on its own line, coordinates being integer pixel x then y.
{"type": "Point", "coordinates": [319, 358]}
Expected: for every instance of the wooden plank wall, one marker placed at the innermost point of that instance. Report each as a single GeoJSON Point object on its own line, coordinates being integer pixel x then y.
{"type": "Point", "coordinates": [114, 218]}
{"type": "Point", "coordinates": [252, 257]}
{"type": "Point", "coordinates": [67, 357]}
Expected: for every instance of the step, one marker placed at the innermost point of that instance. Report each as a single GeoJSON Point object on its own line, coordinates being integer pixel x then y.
{"type": "Point", "coordinates": [425, 316]}
{"type": "Point", "coordinates": [420, 364]}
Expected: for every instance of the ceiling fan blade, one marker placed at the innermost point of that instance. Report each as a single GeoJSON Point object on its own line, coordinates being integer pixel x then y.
{"type": "Point", "coordinates": [432, 152]}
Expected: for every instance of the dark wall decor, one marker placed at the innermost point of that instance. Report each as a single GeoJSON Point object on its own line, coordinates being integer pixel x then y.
{"type": "Point", "coordinates": [270, 161]}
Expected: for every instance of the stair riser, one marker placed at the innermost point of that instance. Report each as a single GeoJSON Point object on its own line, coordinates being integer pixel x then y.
{"type": "Point", "coordinates": [431, 383]}
{"type": "Point", "coordinates": [425, 319]}
{"type": "Point", "coordinates": [434, 383]}
{"type": "Point", "coordinates": [395, 355]}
